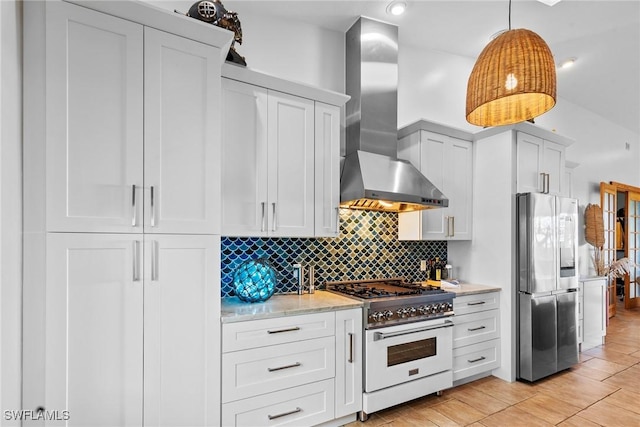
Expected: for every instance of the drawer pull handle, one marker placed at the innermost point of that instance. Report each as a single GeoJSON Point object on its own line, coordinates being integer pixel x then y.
{"type": "Point", "coordinates": [284, 414]}
{"type": "Point", "coordinates": [476, 329]}
{"type": "Point", "coordinates": [351, 338]}
{"type": "Point", "coordinates": [476, 303]}
{"type": "Point", "coordinates": [295, 328]}
{"type": "Point", "coordinates": [476, 360]}
{"type": "Point", "coordinates": [294, 365]}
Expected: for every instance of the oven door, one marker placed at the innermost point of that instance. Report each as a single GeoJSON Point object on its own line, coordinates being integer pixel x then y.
{"type": "Point", "coordinates": [402, 353]}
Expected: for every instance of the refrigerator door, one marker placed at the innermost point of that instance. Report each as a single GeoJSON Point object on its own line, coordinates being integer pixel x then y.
{"type": "Point", "coordinates": [567, 226]}
{"type": "Point", "coordinates": [567, 303]}
{"type": "Point", "coordinates": [537, 243]}
{"type": "Point", "coordinates": [538, 352]}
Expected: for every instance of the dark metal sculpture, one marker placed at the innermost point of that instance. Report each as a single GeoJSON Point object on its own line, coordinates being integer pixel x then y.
{"type": "Point", "coordinates": [213, 12]}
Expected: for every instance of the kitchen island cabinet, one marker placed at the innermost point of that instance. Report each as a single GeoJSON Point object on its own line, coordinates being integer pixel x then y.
{"type": "Point", "coordinates": [280, 157]}
{"type": "Point", "coordinates": [299, 360]}
{"type": "Point", "coordinates": [445, 157]}
{"type": "Point", "coordinates": [121, 224]}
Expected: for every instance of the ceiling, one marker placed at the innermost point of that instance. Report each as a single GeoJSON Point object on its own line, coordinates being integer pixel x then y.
{"type": "Point", "coordinates": [603, 35]}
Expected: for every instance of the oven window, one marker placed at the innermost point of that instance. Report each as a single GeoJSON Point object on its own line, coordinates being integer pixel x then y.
{"type": "Point", "coordinates": [414, 350]}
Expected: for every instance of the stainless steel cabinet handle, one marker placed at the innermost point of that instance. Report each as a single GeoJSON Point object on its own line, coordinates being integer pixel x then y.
{"type": "Point", "coordinates": [476, 329]}
{"type": "Point", "coordinates": [278, 331]}
{"type": "Point", "coordinates": [133, 205]}
{"type": "Point", "coordinates": [280, 368]}
{"type": "Point", "coordinates": [154, 261]}
{"type": "Point", "coordinates": [284, 414]}
{"type": "Point", "coordinates": [351, 339]}
{"type": "Point", "coordinates": [476, 360]}
{"type": "Point", "coordinates": [273, 225]}
{"type": "Point", "coordinates": [136, 260]}
{"type": "Point", "coordinates": [381, 335]}
{"type": "Point", "coordinates": [262, 220]}
{"type": "Point", "coordinates": [453, 226]}
{"type": "Point", "coordinates": [153, 208]}
{"type": "Point", "coordinates": [476, 303]}
{"type": "Point", "coordinates": [337, 220]}
{"type": "Point", "coordinates": [542, 175]}
{"type": "Point", "coordinates": [446, 233]}
{"type": "Point", "coordinates": [548, 182]}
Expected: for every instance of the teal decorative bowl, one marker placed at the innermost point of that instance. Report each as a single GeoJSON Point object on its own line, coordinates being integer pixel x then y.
{"type": "Point", "coordinates": [254, 280]}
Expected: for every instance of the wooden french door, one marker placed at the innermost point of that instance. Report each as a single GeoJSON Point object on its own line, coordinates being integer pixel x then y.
{"type": "Point", "coordinates": [632, 230]}
{"type": "Point", "coordinates": [608, 196]}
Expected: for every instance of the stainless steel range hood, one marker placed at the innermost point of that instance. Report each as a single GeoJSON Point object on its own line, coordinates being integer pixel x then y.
{"type": "Point", "coordinates": [373, 178]}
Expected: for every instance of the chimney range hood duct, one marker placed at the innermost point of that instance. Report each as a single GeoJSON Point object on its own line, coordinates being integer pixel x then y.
{"type": "Point", "coordinates": [373, 178]}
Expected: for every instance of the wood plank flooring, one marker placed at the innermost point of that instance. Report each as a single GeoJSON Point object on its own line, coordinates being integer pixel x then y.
{"type": "Point", "coordinates": [602, 390]}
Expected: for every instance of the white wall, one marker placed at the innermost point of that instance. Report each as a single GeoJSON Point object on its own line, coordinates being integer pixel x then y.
{"type": "Point", "coordinates": [10, 207]}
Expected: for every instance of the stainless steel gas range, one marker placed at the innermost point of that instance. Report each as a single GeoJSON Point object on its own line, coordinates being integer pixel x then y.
{"type": "Point", "coordinates": [408, 340]}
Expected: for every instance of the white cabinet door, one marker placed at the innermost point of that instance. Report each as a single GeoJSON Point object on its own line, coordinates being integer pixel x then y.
{"type": "Point", "coordinates": [540, 165]}
{"type": "Point", "coordinates": [244, 159]}
{"type": "Point", "coordinates": [182, 135]}
{"type": "Point", "coordinates": [290, 207]}
{"type": "Point", "coordinates": [182, 330]}
{"type": "Point", "coordinates": [327, 170]}
{"type": "Point", "coordinates": [594, 314]}
{"type": "Point", "coordinates": [554, 165]}
{"type": "Point", "coordinates": [94, 118]}
{"type": "Point", "coordinates": [458, 188]}
{"type": "Point", "coordinates": [447, 162]}
{"type": "Point", "coordinates": [348, 362]}
{"type": "Point", "coordinates": [94, 328]}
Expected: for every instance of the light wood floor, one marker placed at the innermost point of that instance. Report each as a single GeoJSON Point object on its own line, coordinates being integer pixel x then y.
{"type": "Point", "coordinates": [602, 390]}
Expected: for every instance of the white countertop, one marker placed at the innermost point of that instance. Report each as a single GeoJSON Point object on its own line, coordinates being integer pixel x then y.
{"type": "Point", "coordinates": [469, 288]}
{"type": "Point", "coordinates": [234, 310]}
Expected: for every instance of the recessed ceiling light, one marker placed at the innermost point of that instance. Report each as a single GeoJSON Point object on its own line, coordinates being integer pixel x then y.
{"type": "Point", "coordinates": [567, 63]}
{"type": "Point", "coordinates": [397, 7]}
{"type": "Point", "coordinates": [549, 2]}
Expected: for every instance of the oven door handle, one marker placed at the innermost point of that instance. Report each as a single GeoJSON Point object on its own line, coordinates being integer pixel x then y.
{"type": "Point", "coordinates": [377, 336]}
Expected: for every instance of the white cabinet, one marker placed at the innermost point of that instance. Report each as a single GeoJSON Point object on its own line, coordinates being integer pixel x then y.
{"type": "Point", "coordinates": [94, 121]}
{"type": "Point", "coordinates": [476, 336]}
{"type": "Point", "coordinates": [348, 362]}
{"type": "Point", "coordinates": [128, 325]}
{"type": "Point", "coordinates": [592, 313]}
{"type": "Point", "coordinates": [327, 170]}
{"type": "Point", "coordinates": [448, 163]}
{"type": "Point", "coordinates": [128, 127]}
{"type": "Point", "coordinates": [280, 158]}
{"type": "Point", "coordinates": [122, 260]}
{"type": "Point", "coordinates": [302, 370]}
{"type": "Point", "coordinates": [181, 148]}
{"type": "Point", "coordinates": [540, 165]}
{"type": "Point", "coordinates": [267, 162]}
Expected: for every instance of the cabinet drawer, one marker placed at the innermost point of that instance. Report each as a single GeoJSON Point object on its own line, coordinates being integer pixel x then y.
{"type": "Point", "coordinates": [252, 372]}
{"type": "Point", "coordinates": [310, 404]}
{"type": "Point", "coordinates": [475, 359]}
{"type": "Point", "coordinates": [264, 332]}
{"type": "Point", "coordinates": [475, 327]}
{"type": "Point", "coordinates": [476, 302]}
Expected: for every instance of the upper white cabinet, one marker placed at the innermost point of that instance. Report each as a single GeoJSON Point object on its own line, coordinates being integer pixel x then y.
{"type": "Point", "coordinates": [540, 165]}
{"type": "Point", "coordinates": [181, 149]}
{"type": "Point", "coordinates": [327, 170]}
{"type": "Point", "coordinates": [94, 121]}
{"type": "Point", "coordinates": [129, 138]}
{"type": "Point", "coordinates": [280, 161]}
{"type": "Point", "coordinates": [447, 162]}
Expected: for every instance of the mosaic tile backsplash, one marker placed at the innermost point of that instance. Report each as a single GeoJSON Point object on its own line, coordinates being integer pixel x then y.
{"type": "Point", "coordinates": [367, 247]}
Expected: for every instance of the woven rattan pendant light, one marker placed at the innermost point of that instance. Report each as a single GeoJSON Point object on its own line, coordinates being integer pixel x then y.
{"type": "Point", "coordinates": [513, 80]}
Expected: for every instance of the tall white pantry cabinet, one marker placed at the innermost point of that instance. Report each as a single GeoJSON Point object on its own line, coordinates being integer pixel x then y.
{"type": "Point", "coordinates": [121, 274]}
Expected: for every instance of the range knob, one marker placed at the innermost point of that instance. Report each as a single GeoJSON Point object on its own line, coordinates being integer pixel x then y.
{"type": "Point", "coordinates": [443, 307]}
{"type": "Point", "coordinates": [423, 309]}
{"type": "Point", "coordinates": [433, 308]}
{"type": "Point", "coordinates": [412, 311]}
{"type": "Point", "coordinates": [376, 316]}
{"type": "Point", "coordinates": [402, 312]}
{"type": "Point", "coordinates": [388, 314]}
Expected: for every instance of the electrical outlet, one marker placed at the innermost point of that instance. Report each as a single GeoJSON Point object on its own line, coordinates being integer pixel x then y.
{"type": "Point", "coordinates": [423, 265]}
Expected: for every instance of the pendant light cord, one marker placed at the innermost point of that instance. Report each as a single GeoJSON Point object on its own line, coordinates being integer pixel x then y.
{"type": "Point", "coordinates": [509, 15]}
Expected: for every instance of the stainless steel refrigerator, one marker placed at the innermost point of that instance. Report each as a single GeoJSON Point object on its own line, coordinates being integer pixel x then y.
{"type": "Point", "coordinates": [547, 284]}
